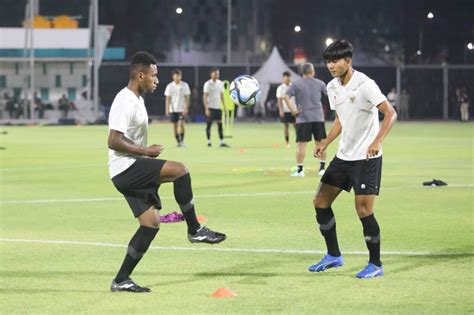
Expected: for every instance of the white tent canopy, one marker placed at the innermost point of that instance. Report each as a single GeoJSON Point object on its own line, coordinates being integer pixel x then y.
{"type": "Point", "coordinates": [271, 73]}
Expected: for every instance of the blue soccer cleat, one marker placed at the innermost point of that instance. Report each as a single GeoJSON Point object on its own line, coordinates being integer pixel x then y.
{"type": "Point", "coordinates": [371, 271]}
{"type": "Point", "coordinates": [327, 262]}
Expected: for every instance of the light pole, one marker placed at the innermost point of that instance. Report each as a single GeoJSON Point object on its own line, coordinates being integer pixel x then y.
{"type": "Point", "coordinates": [229, 29]}
{"type": "Point", "coordinates": [419, 52]}
{"type": "Point", "coordinates": [291, 50]}
{"type": "Point", "coordinates": [95, 17]}
{"type": "Point", "coordinates": [178, 11]}
{"type": "Point", "coordinates": [296, 44]}
{"type": "Point", "coordinates": [32, 63]}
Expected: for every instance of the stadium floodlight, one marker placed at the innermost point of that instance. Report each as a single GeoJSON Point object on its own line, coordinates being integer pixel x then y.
{"type": "Point", "coordinates": [297, 28]}
{"type": "Point", "coordinates": [430, 15]}
{"type": "Point", "coordinates": [470, 46]}
{"type": "Point", "coordinates": [179, 10]}
{"type": "Point", "coordinates": [329, 41]}
{"type": "Point", "coordinates": [418, 52]}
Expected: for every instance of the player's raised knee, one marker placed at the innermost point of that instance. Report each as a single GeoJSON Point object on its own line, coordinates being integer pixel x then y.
{"type": "Point", "coordinates": [173, 170]}
{"type": "Point", "coordinates": [181, 169]}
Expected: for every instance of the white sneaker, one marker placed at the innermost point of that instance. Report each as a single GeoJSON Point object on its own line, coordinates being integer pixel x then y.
{"type": "Point", "coordinates": [321, 172]}
{"type": "Point", "coordinates": [297, 174]}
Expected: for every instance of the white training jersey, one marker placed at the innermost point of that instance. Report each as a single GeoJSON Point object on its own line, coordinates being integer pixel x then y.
{"type": "Point", "coordinates": [356, 106]}
{"type": "Point", "coordinates": [177, 94]}
{"type": "Point", "coordinates": [280, 93]}
{"type": "Point", "coordinates": [213, 90]}
{"type": "Point", "coordinates": [129, 116]}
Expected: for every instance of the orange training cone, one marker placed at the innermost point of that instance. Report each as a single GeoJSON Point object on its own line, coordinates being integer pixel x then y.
{"type": "Point", "coordinates": [201, 218]}
{"type": "Point", "coordinates": [223, 292]}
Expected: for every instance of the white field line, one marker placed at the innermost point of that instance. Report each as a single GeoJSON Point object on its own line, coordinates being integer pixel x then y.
{"type": "Point", "coordinates": [259, 194]}
{"type": "Point", "coordinates": [49, 167]}
{"type": "Point", "coordinates": [270, 193]}
{"type": "Point", "coordinates": [232, 250]}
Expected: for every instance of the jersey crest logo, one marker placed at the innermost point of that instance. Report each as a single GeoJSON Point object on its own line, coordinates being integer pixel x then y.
{"type": "Point", "coordinates": [352, 96]}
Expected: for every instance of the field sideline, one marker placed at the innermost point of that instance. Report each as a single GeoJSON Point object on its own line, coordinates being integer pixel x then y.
{"type": "Point", "coordinates": [64, 228]}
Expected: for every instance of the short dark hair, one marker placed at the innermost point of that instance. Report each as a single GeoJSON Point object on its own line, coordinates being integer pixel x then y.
{"type": "Point", "coordinates": [287, 74]}
{"type": "Point", "coordinates": [339, 49]}
{"type": "Point", "coordinates": [176, 71]}
{"type": "Point", "coordinates": [213, 69]}
{"type": "Point", "coordinates": [140, 62]}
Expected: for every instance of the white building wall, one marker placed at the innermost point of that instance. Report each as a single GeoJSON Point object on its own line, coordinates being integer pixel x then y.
{"type": "Point", "coordinates": [48, 79]}
{"type": "Point", "coordinates": [45, 38]}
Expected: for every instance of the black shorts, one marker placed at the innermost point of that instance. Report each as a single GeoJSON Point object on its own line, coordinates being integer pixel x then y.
{"type": "Point", "coordinates": [288, 118]}
{"type": "Point", "coordinates": [364, 176]}
{"type": "Point", "coordinates": [305, 130]}
{"type": "Point", "coordinates": [216, 114]}
{"type": "Point", "coordinates": [175, 117]}
{"type": "Point", "coordinates": [139, 184]}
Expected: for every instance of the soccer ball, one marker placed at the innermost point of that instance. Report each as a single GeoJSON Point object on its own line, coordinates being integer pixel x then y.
{"type": "Point", "coordinates": [245, 90]}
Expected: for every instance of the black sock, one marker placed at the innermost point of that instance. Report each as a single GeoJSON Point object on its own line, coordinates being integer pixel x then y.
{"type": "Point", "coordinates": [208, 130]}
{"type": "Point", "coordinates": [219, 128]}
{"type": "Point", "coordinates": [372, 238]}
{"type": "Point", "coordinates": [177, 138]}
{"type": "Point", "coordinates": [327, 226]}
{"type": "Point", "coordinates": [136, 249]}
{"type": "Point", "coordinates": [321, 165]}
{"type": "Point", "coordinates": [287, 139]}
{"type": "Point", "coordinates": [182, 136]}
{"type": "Point", "coordinates": [300, 168]}
{"type": "Point", "coordinates": [183, 194]}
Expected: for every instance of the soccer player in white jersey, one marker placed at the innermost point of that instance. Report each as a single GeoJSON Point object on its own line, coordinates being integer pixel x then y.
{"type": "Point", "coordinates": [212, 98]}
{"type": "Point", "coordinates": [137, 174]}
{"type": "Point", "coordinates": [285, 114]}
{"type": "Point", "coordinates": [358, 163]}
{"type": "Point", "coordinates": [177, 104]}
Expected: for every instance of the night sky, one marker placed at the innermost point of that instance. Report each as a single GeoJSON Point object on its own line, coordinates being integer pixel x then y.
{"type": "Point", "coordinates": [370, 23]}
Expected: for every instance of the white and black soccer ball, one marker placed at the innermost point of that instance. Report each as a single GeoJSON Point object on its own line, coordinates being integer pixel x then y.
{"type": "Point", "coordinates": [245, 90]}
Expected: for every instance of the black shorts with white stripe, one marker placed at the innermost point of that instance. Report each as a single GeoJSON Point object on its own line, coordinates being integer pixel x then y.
{"type": "Point", "coordinates": [362, 175]}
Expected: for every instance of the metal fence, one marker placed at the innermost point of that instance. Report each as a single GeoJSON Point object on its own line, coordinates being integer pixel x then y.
{"type": "Point", "coordinates": [431, 88]}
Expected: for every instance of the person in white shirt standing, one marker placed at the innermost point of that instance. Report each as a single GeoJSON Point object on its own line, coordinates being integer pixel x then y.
{"type": "Point", "coordinates": [137, 174]}
{"type": "Point", "coordinates": [392, 98]}
{"type": "Point", "coordinates": [358, 163]}
{"type": "Point", "coordinates": [213, 98]}
{"type": "Point", "coordinates": [177, 104]}
{"type": "Point", "coordinates": [285, 114]}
